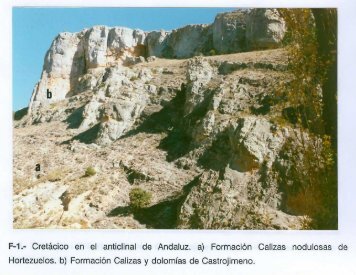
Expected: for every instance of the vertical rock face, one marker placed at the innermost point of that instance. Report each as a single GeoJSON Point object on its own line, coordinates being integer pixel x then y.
{"type": "Point", "coordinates": [184, 42]}
{"type": "Point", "coordinates": [248, 30]}
{"type": "Point", "coordinates": [264, 29]}
{"type": "Point", "coordinates": [229, 31]}
{"type": "Point", "coordinates": [96, 46]}
{"type": "Point", "coordinates": [63, 63]}
{"type": "Point", "coordinates": [156, 42]}
{"type": "Point", "coordinates": [124, 42]}
{"type": "Point", "coordinates": [189, 41]}
{"type": "Point", "coordinates": [121, 38]}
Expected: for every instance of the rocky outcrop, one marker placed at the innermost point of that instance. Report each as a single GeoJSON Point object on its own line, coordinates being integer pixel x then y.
{"type": "Point", "coordinates": [73, 55]}
{"type": "Point", "coordinates": [116, 103]}
{"type": "Point", "coordinates": [199, 74]}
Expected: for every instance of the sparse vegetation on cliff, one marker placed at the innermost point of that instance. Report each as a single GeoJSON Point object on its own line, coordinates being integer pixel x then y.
{"type": "Point", "coordinates": [312, 95]}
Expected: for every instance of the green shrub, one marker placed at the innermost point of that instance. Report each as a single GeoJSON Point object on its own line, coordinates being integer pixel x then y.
{"type": "Point", "coordinates": [212, 52]}
{"type": "Point", "coordinates": [139, 198]}
{"type": "Point", "coordinates": [133, 78]}
{"type": "Point", "coordinates": [90, 171]}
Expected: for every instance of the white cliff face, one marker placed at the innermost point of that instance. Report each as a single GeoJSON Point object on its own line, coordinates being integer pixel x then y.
{"type": "Point", "coordinates": [72, 55]}
{"type": "Point", "coordinates": [229, 31]}
{"type": "Point", "coordinates": [96, 46]}
{"type": "Point", "coordinates": [121, 38]}
{"type": "Point", "coordinates": [183, 42]}
{"type": "Point", "coordinates": [188, 41]}
{"type": "Point", "coordinates": [156, 42]}
{"type": "Point", "coordinates": [62, 63]}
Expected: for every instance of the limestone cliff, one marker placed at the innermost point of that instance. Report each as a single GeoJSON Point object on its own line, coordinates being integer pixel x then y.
{"type": "Point", "coordinates": [73, 55]}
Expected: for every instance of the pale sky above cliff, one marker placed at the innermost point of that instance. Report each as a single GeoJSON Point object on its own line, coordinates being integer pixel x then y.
{"type": "Point", "coordinates": [35, 28]}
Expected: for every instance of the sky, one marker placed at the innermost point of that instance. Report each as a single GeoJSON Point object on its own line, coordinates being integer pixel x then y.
{"type": "Point", "coordinates": [35, 28]}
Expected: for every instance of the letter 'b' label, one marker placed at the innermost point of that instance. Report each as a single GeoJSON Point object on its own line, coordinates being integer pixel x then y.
{"type": "Point", "coordinates": [49, 94]}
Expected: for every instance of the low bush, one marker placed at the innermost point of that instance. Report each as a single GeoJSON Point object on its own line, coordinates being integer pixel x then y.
{"type": "Point", "coordinates": [90, 171]}
{"type": "Point", "coordinates": [139, 198]}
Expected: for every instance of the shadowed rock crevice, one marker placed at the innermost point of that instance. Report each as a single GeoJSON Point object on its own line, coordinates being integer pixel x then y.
{"type": "Point", "coordinates": [218, 155]}
{"type": "Point", "coordinates": [163, 120]}
{"type": "Point", "coordinates": [88, 136]}
{"type": "Point", "coordinates": [75, 118]}
{"type": "Point", "coordinates": [163, 215]}
{"type": "Point", "coordinates": [171, 121]}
